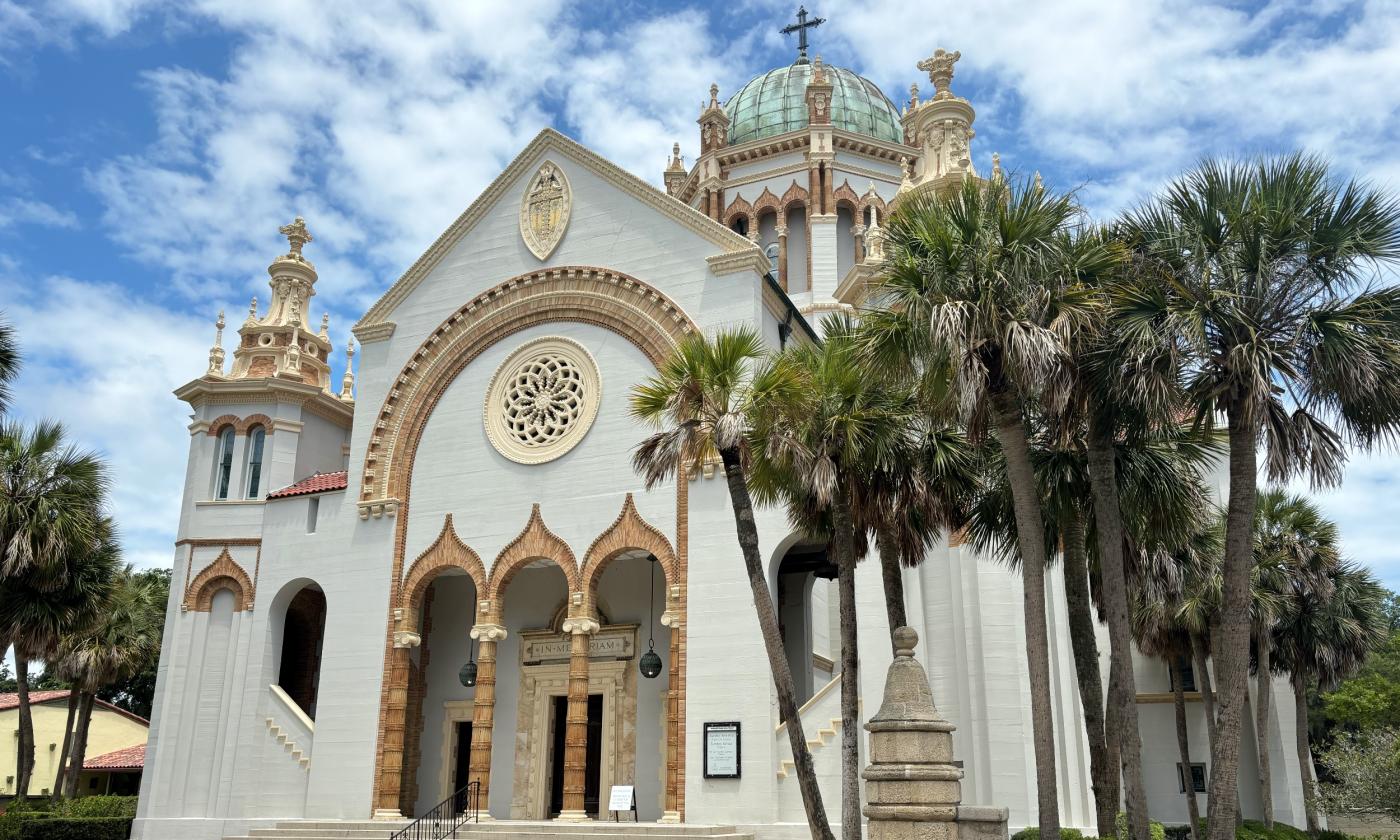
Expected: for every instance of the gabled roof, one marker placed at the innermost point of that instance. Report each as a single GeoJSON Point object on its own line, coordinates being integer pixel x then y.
{"type": "Point", "coordinates": [318, 483]}
{"type": "Point", "coordinates": [126, 758]}
{"type": "Point", "coordinates": [10, 700]}
{"type": "Point", "coordinates": [549, 141]}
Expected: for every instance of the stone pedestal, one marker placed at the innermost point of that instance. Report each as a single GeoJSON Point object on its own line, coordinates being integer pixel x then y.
{"type": "Point", "coordinates": [913, 787]}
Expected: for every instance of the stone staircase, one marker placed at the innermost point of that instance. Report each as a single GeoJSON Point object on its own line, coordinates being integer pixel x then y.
{"type": "Point", "coordinates": [284, 738]}
{"type": "Point", "coordinates": [497, 830]}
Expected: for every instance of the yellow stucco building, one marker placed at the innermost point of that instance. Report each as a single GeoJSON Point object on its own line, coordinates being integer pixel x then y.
{"type": "Point", "coordinates": [115, 749]}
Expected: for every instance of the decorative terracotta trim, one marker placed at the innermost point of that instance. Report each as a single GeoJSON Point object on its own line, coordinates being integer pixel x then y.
{"type": "Point", "coordinates": [737, 208]}
{"type": "Point", "coordinates": [535, 542]}
{"type": "Point", "coordinates": [223, 573]}
{"type": "Point", "coordinates": [612, 300]}
{"type": "Point", "coordinates": [447, 552]}
{"type": "Point", "coordinates": [766, 202]}
{"type": "Point", "coordinates": [795, 195]}
{"type": "Point", "coordinates": [247, 423]}
{"type": "Point", "coordinates": [847, 196]}
{"type": "Point", "coordinates": [629, 530]}
{"type": "Point", "coordinates": [216, 426]}
{"type": "Point", "coordinates": [226, 541]}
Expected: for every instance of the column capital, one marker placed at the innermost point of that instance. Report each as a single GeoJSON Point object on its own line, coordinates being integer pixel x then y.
{"type": "Point", "coordinates": [407, 639]}
{"type": "Point", "coordinates": [580, 625]}
{"type": "Point", "coordinates": [487, 632]}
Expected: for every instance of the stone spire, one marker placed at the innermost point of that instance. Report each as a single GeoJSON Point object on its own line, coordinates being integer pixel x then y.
{"type": "Point", "coordinates": [940, 128]}
{"type": "Point", "coordinates": [675, 173]}
{"type": "Point", "coordinates": [347, 382]}
{"type": "Point", "coordinates": [714, 124]}
{"type": "Point", "coordinates": [216, 353]}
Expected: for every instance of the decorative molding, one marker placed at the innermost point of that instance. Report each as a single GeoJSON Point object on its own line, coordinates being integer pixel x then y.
{"type": "Point", "coordinates": [378, 508]}
{"type": "Point", "coordinates": [722, 264]}
{"type": "Point", "coordinates": [218, 424]}
{"type": "Point", "coordinates": [542, 400]}
{"type": "Point", "coordinates": [370, 333]}
{"type": "Point", "coordinates": [447, 552]}
{"type": "Point", "coordinates": [407, 639]}
{"type": "Point", "coordinates": [546, 142]}
{"type": "Point", "coordinates": [535, 542]}
{"type": "Point", "coordinates": [795, 195]}
{"type": "Point", "coordinates": [247, 423]}
{"type": "Point", "coordinates": [545, 208]}
{"type": "Point", "coordinates": [614, 301]}
{"type": "Point", "coordinates": [223, 573]}
{"type": "Point", "coordinates": [628, 531]}
{"type": "Point", "coordinates": [225, 542]}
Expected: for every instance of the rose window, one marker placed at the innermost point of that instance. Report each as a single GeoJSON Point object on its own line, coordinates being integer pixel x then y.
{"type": "Point", "coordinates": [542, 400]}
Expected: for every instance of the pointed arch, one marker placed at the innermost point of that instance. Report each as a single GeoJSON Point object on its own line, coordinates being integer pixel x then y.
{"type": "Point", "coordinates": [535, 542]}
{"type": "Point", "coordinates": [767, 202]}
{"type": "Point", "coordinates": [794, 195]}
{"type": "Point", "coordinates": [628, 531]}
{"type": "Point", "coordinates": [223, 573]}
{"type": "Point", "coordinates": [847, 196]}
{"type": "Point", "coordinates": [447, 552]}
{"type": "Point", "coordinates": [738, 207]}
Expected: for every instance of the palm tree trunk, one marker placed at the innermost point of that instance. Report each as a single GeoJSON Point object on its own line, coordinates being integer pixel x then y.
{"type": "Point", "coordinates": [80, 739]}
{"type": "Point", "coordinates": [773, 644]}
{"type": "Point", "coordinates": [1229, 636]}
{"type": "Point", "coordinates": [1305, 757]}
{"type": "Point", "coordinates": [892, 575]}
{"type": "Point", "coordinates": [1203, 684]}
{"type": "Point", "coordinates": [844, 543]}
{"type": "Point", "coordinates": [1030, 534]}
{"type": "Point", "coordinates": [1183, 745]}
{"type": "Point", "coordinates": [26, 726]}
{"type": "Point", "coordinates": [1086, 667]}
{"type": "Point", "coordinates": [1113, 747]}
{"type": "Point", "coordinates": [60, 782]}
{"type": "Point", "coordinates": [1113, 574]}
{"type": "Point", "coordinates": [1261, 729]}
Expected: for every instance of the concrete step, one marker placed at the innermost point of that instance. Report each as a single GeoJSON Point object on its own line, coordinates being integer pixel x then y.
{"type": "Point", "coordinates": [498, 830]}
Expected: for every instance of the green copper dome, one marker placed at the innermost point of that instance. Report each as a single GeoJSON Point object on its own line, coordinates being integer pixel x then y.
{"type": "Point", "coordinates": [775, 103]}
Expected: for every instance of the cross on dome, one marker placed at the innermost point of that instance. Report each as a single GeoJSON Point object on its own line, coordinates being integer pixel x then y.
{"type": "Point", "coordinates": [801, 27]}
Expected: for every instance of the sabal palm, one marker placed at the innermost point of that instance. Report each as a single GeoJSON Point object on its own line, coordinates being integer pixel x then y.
{"type": "Point", "coordinates": [9, 363]}
{"type": "Point", "coordinates": [699, 400]}
{"type": "Point", "coordinates": [1328, 632]}
{"type": "Point", "coordinates": [50, 512]}
{"type": "Point", "coordinates": [972, 284]}
{"type": "Point", "coordinates": [812, 442]}
{"type": "Point", "coordinates": [121, 640]}
{"type": "Point", "coordinates": [1284, 336]}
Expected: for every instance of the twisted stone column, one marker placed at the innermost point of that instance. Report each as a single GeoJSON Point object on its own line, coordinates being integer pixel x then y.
{"type": "Point", "coordinates": [581, 630]}
{"type": "Point", "coordinates": [390, 791]}
{"type": "Point", "coordinates": [484, 710]}
{"type": "Point", "coordinates": [671, 812]}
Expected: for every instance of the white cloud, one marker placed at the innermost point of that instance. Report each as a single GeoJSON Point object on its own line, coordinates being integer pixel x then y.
{"type": "Point", "coordinates": [104, 362]}
{"type": "Point", "coordinates": [22, 211]}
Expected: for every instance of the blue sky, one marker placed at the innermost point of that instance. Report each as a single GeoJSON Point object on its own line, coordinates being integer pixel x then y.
{"type": "Point", "coordinates": [150, 148]}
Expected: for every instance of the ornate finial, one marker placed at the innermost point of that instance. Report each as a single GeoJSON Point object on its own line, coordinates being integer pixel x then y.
{"type": "Point", "coordinates": [818, 72]}
{"type": "Point", "coordinates": [996, 165]}
{"type": "Point", "coordinates": [325, 324]}
{"type": "Point", "coordinates": [297, 235]}
{"type": "Point", "coordinates": [905, 640]}
{"type": "Point", "coordinates": [714, 95]}
{"type": "Point", "coordinates": [801, 27]}
{"type": "Point", "coordinates": [216, 353]}
{"type": "Point", "coordinates": [253, 310]}
{"type": "Point", "coordinates": [347, 384]}
{"type": "Point", "coordinates": [940, 71]}
{"type": "Point", "coordinates": [913, 96]}
{"type": "Point", "coordinates": [295, 320]}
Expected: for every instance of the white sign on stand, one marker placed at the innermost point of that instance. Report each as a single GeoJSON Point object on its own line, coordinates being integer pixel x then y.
{"type": "Point", "coordinates": [623, 798]}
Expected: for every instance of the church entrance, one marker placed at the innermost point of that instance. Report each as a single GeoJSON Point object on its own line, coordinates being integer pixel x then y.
{"type": "Point", "coordinates": [462, 749]}
{"type": "Point", "coordinates": [593, 753]}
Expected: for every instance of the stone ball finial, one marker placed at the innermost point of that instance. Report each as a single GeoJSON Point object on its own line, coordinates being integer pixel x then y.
{"type": "Point", "coordinates": [905, 640]}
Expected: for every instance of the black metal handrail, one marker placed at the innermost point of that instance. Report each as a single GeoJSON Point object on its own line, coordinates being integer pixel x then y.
{"type": "Point", "coordinates": [446, 817]}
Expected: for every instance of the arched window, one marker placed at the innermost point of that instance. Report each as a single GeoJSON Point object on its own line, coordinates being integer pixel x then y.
{"type": "Point", "coordinates": [257, 438]}
{"type": "Point", "coordinates": [223, 465]}
{"type": "Point", "coordinates": [303, 631]}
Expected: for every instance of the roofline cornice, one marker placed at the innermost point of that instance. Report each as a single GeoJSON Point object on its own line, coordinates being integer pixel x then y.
{"type": "Point", "coordinates": [202, 391]}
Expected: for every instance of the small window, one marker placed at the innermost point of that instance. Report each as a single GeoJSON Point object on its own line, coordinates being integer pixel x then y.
{"type": "Point", "coordinates": [256, 440]}
{"type": "Point", "coordinates": [1182, 668]}
{"type": "Point", "coordinates": [224, 464]}
{"type": "Point", "coordinates": [1198, 778]}
{"type": "Point", "coordinates": [313, 510]}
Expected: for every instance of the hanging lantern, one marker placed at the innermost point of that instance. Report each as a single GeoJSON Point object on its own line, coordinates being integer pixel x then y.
{"type": "Point", "coordinates": [650, 663]}
{"type": "Point", "coordinates": [468, 673]}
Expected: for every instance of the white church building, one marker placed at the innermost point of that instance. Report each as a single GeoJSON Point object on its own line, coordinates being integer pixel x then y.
{"type": "Point", "coordinates": [443, 573]}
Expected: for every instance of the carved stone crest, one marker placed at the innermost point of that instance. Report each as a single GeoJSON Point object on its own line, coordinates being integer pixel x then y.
{"type": "Point", "coordinates": [544, 210]}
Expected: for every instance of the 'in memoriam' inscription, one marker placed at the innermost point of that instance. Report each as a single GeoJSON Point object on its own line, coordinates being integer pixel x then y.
{"type": "Point", "coordinates": [611, 642]}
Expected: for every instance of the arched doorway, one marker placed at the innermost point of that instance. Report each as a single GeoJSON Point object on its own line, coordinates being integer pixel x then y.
{"type": "Point", "coordinates": [303, 633]}
{"type": "Point", "coordinates": [806, 600]}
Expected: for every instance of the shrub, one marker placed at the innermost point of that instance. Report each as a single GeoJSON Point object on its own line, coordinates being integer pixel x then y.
{"type": "Point", "coordinates": [76, 828]}
{"type": "Point", "coordinates": [19, 812]}
{"type": "Point", "coordinates": [1177, 832]}
{"type": "Point", "coordinates": [1158, 831]}
{"type": "Point", "coordinates": [99, 806]}
{"type": "Point", "coordinates": [1033, 833]}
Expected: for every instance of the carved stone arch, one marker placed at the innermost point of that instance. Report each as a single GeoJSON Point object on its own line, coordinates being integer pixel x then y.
{"type": "Point", "coordinates": [218, 423]}
{"type": "Point", "coordinates": [535, 542]}
{"type": "Point", "coordinates": [871, 199]}
{"type": "Point", "coordinates": [247, 423]}
{"type": "Point", "coordinates": [628, 531]}
{"type": "Point", "coordinates": [847, 196]}
{"type": "Point", "coordinates": [794, 195]}
{"type": "Point", "coordinates": [447, 552]}
{"type": "Point", "coordinates": [767, 202]}
{"type": "Point", "coordinates": [739, 207]}
{"type": "Point", "coordinates": [223, 573]}
{"type": "Point", "coordinates": [614, 301]}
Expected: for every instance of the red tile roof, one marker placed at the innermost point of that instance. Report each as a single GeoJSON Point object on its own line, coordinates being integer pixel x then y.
{"type": "Point", "coordinates": [11, 701]}
{"type": "Point", "coordinates": [127, 758]}
{"type": "Point", "coordinates": [318, 483]}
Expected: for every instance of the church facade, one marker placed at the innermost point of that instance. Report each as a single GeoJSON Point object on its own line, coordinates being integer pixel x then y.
{"type": "Point", "coordinates": [442, 572]}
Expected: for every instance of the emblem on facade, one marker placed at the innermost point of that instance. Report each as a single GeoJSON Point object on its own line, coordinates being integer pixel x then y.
{"type": "Point", "coordinates": [544, 210]}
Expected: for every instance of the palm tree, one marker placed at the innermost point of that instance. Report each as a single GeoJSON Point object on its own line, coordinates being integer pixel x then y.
{"type": "Point", "coordinates": [50, 500]}
{"type": "Point", "coordinates": [120, 642]}
{"type": "Point", "coordinates": [972, 283]}
{"type": "Point", "coordinates": [1328, 632]}
{"type": "Point", "coordinates": [1268, 294]}
{"type": "Point", "coordinates": [1295, 549]}
{"type": "Point", "coordinates": [9, 363]}
{"type": "Point", "coordinates": [811, 445]}
{"type": "Point", "coordinates": [699, 401]}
